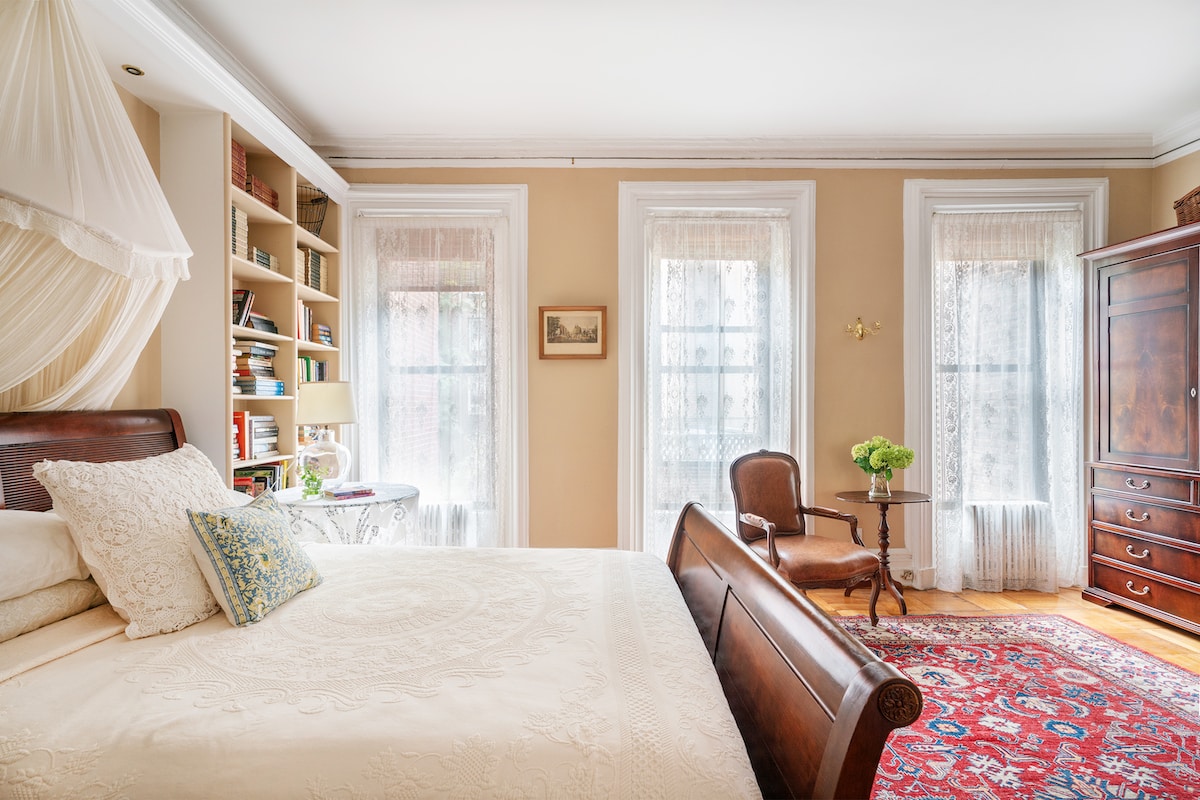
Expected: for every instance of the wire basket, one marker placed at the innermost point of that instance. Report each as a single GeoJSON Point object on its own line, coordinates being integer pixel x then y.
{"type": "Point", "coordinates": [310, 208]}
{"type": "Point", "coordinates": [1187, 208]}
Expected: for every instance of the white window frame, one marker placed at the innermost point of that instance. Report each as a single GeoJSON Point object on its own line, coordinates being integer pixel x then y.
{"type": "Point", "coordinates": [508, 200]}
{"type": "Point", "coordinates": [922, 198]}
{"type": "Point", "coordinates": [635, 201]}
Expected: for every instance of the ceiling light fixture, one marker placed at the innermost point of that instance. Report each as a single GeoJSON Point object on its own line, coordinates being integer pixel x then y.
{"type": "Point", "coordinates": [137, 72]}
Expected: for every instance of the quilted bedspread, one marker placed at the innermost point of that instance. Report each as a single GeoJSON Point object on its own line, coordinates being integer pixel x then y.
{"type": "Point", "coordinates": [409, 672]}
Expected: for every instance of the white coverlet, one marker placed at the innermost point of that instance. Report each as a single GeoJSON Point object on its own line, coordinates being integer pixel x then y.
{"type": "Point", "coordinates": [409, 672]}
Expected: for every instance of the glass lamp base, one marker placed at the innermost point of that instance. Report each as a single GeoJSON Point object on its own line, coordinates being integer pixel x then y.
{"type": "Point", "coordinates": [328, 457]}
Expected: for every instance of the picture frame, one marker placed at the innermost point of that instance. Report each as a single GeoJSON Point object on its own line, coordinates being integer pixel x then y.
{"type": "Point", "coordinates": [573, 331]}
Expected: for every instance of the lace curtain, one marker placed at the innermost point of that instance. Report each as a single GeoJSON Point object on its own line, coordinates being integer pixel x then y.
{"type": "Point", "coordinates": [1008, 339]}
{"type": "Point", "coordinates": [433, 370]}
{"type": "Point", "coordinates": [719, 340]}
{"type": "Point", "coordinates": [89, 249]}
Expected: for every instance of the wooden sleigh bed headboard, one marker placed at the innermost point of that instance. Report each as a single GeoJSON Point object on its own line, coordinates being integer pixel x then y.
{"type": "Point", "coordinates": [814, 705]}
{"type": "Point", "coordinates": [29, 437]}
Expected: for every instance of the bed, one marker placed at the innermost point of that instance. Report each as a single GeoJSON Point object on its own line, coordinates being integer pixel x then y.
{"type": "Point", "coordinates": [414, 672]}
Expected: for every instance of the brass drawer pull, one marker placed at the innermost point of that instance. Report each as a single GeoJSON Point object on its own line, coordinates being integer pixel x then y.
{"type": "Point", "coordinates": [1130, 484]}
{"type": "Point", "coordinates": [1129, 585]}
{"type": "Point", "coordinates": [1143, 554]}
{"type": "Point", "coordinates": [1129, 516]}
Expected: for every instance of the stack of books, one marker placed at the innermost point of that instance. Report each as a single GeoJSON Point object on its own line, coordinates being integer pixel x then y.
{"type": "Point", "coordinates": [238, 162]}
{"type": "Point", "coordinates": [241, 233]}
{"type": "Point", "coordinates": [322, 333]}
{"type": "Point", "coordinates": [261, 191]}
{"type": "Point", "coordinates": [258, 435]}
{"type": "Point", "coordinates": [254, 369]}
{"type": "Point", "coordinates": [261, 322]}
{"type": "Point", "coordinates": [313, 268]}
{"type": "Point", "coordinates": [264, 259]}
{"type": "Point", "coordinates": [261, 387]}
{"type": "Point", "coordinates": [349, 490]}
{"type": "Point", "coordinates": [233, 376]}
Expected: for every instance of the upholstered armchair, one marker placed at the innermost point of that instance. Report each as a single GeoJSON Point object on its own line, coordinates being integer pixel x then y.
{"type": "Point", "coordinates": [771, 520]}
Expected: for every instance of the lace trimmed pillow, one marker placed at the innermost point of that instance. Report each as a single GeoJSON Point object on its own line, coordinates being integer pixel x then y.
{"type": "Point", "coordinates": [250, 558]}
{"type": "Point", "coordinates": [129, 520]}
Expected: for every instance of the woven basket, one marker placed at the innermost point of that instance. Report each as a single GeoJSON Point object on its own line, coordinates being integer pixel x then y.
{"type": "Point", "coordinates": [310, 208]}
{"type": "Point", "coordinates": [1187, 208]}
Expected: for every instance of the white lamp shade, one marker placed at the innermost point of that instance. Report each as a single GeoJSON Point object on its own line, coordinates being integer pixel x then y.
{"type": "Point", "coordinates": [325, 403]}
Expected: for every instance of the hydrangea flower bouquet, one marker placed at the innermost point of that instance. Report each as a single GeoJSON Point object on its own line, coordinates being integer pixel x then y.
{"type": "Point", "coordinates": [877, 457]}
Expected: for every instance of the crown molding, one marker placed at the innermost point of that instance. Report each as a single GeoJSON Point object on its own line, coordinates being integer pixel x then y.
{"type": "Point", "coordinates": [224, 83]}
{"type": "Point", "coordinates": [851, 152]}
{"type": "Point", "coordinates": [216, 80]}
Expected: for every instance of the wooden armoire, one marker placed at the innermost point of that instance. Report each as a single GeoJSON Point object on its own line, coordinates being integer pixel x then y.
{"type": "Point", "coordinates": [1144, 476]}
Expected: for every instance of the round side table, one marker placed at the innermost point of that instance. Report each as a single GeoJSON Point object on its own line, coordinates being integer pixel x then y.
{"type": "Point", "coordinates": [356, 520]}
{"type": "Point", "coordinates": [895, 498]}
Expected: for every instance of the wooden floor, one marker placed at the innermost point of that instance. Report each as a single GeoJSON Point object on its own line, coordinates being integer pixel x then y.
{"type": "Point", "coordinates": [1168, 643]}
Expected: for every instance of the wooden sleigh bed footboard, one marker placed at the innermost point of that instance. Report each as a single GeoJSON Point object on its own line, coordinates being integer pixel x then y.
{"type": "Point", "coordinates": [814, 705]}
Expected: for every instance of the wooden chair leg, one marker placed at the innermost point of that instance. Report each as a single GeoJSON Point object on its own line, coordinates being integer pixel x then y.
{"type": "Point", "coordinates": [875, 586]}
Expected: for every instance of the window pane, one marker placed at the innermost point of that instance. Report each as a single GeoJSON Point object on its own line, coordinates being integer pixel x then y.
{"type": "Point", "coordinates": [715, 332]}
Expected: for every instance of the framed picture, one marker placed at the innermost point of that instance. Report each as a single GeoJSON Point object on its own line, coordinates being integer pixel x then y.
{"type": "Point", "coordinates": [573, 332]}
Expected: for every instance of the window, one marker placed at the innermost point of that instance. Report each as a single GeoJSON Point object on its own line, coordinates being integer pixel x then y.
{"type": "Point", "coordinates": [439, 344]}
{"type": "Point", "coordinates": [994, 299]}
{"type": "Point", "coordinates": [711, 275]}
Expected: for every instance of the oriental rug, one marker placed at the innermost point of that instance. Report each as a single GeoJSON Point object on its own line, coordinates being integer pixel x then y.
{"type": "Point", "coordinates": [1034, 706]}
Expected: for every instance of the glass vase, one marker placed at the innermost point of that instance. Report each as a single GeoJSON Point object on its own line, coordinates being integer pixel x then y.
{"type": "Point", "coordinates": [879, 485]}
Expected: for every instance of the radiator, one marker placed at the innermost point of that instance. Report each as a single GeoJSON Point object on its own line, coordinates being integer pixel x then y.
{"type": "Point", "coordinates": [441, 524]}
{"type": "Point", "coordinates": [1013, 545]}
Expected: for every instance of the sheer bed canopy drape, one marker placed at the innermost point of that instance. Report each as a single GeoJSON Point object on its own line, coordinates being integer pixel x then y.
{"type": "Point", "coordinates": [89, 249]}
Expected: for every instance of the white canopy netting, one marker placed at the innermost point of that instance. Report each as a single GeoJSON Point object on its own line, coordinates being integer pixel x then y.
{"type": "Point", "coordinates": [89, 249]}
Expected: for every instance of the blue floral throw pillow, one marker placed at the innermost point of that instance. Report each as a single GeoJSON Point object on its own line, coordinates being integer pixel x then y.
{"type": "Point", "coordinates": [250, 558]}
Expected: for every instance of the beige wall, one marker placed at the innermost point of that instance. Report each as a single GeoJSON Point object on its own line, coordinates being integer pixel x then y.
{"type": "Point", "coordinates": [1171, 182]}
{"type": "Point", "coordinates": [859, 272]}
{"type": "Point", "coordinates": [573, 260]}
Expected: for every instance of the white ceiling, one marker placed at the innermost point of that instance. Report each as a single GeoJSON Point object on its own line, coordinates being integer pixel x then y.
{"type": "Point", "coordinates": [471, 79]}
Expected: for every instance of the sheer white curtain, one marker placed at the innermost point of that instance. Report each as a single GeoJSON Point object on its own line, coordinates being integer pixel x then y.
{"type": "Point", "coordinates": [89, 249]}
{"type": "Point", "coordinates": [721, 330]}
{"type": "Point", "coordinates": [1008, 339]}
{"type": "Point", "coordinates": [433, 370]}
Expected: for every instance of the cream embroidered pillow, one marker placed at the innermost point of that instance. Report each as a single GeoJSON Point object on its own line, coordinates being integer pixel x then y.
{"type": "Point", "coordinates": [129, 520]}
{"type": "Point", "coordinates": [250, 558]}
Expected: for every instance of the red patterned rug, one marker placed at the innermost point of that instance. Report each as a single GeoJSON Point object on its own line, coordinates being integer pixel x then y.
{"type": "Point", "coordinates": [1034, 706]}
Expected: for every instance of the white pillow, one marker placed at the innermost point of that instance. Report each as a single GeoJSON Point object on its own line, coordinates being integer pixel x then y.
{"type": "Point", "coordinates": [36, 551]}
{"type": "Point", "coordinates": [46, 606]}
{"type": "Point", "coordinates": [129, 520]}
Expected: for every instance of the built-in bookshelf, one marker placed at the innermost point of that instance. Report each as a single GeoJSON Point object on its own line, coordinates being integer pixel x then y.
{"type": "Point", "coordinates": [246, 243]}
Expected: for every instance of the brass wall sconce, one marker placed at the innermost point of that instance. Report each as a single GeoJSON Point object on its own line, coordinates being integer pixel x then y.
{"type": "Point", "coordinates": [858, 330]}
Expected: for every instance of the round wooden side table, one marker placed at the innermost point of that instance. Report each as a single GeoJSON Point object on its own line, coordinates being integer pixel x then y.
{"type": "Point", "coordinates": [895, 498]}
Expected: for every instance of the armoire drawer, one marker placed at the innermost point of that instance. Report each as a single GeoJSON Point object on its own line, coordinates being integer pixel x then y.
{"type": "Point", "coordinates": [1142, 485]}
{"type": "Point", "coordinates": [1130, 513]}
{"type": "Point", "coordinates": [1147, 555]}
{"type": "Point", "coordinates": [1137, 589]}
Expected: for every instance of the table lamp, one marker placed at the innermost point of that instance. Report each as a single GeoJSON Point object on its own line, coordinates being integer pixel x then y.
{"type": "Point", "coordinates": [326, 403]}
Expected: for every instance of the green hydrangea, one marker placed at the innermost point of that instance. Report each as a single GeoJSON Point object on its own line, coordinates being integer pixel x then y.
{"type": "Point", "coordinates": [878, 454]}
